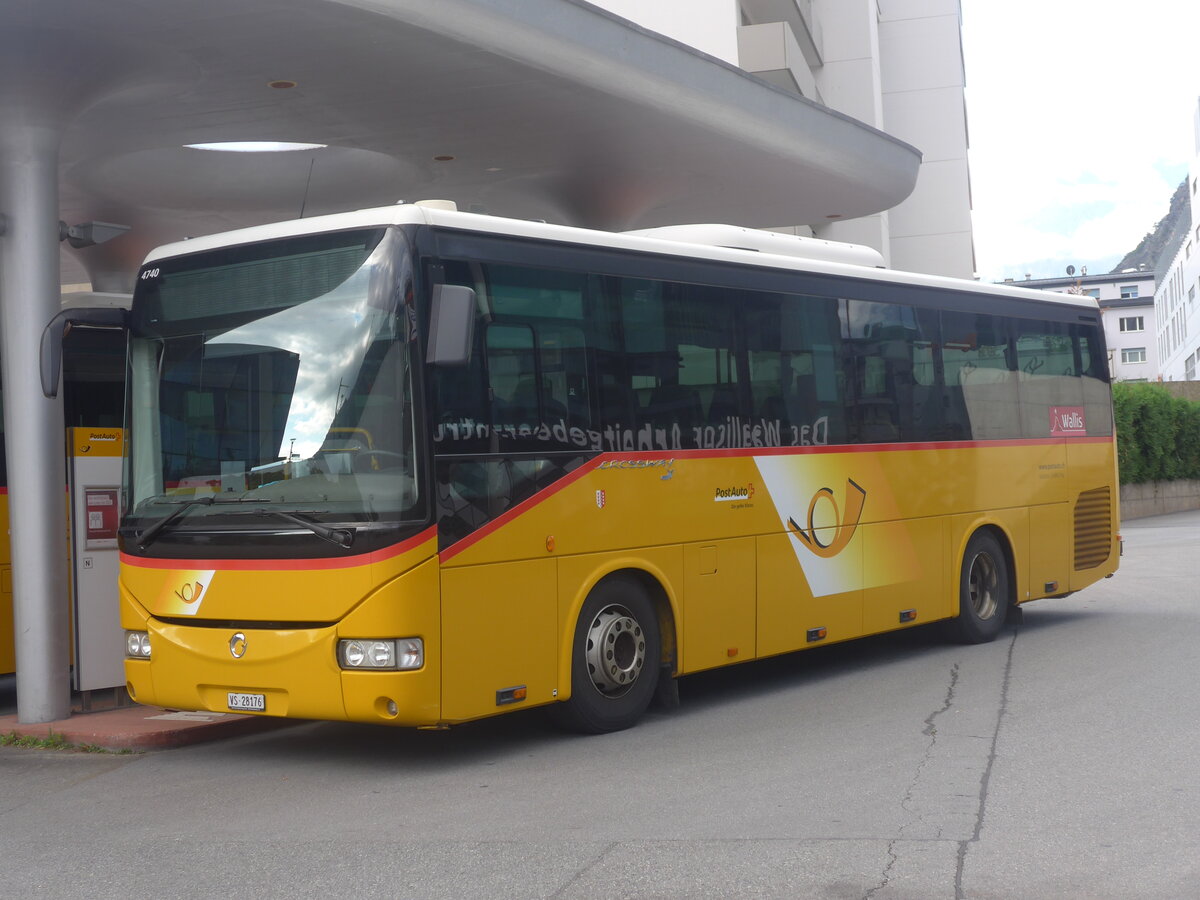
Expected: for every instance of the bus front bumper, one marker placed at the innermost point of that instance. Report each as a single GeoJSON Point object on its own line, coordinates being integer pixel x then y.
{"type": "Point", "coordinates": [275, 672]}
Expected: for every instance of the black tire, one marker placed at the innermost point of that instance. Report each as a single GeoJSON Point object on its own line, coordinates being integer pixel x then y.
{"type": "Point", "coordinates": [615, 659]}
{"type": "Point", "coordinates": [984, 593]}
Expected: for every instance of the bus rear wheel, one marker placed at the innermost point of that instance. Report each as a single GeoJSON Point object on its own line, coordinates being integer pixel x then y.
{"type": "Point", "coordinates": [615, 659]}
{"type": "Point", "coordinates": [984, 595]}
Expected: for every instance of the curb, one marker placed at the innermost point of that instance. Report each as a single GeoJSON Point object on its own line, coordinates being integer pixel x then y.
{"type": "Point", "coordinates": [141, 728]}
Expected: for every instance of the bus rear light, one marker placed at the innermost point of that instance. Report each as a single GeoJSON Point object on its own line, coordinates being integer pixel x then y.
{"type": "Point", "coordinates": [371, 653]}
{"type": "Point", "coordinates": [137, 644]}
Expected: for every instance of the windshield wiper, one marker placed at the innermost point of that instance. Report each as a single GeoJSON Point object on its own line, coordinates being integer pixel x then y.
{"type": "Point", "coordinates": [343, 537]}
{"type": "Point", "coordinates": [150, 532]}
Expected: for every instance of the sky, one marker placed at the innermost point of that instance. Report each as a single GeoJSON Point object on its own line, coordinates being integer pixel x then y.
{"type": "Point", "coordinates": [1080, 119]}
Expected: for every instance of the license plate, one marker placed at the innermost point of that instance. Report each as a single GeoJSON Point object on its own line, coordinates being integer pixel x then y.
{"type": "Point", "coordinates": [252, 702]}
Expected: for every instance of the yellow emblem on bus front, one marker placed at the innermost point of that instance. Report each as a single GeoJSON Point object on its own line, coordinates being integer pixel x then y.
{"type": "Point", "coordinates": [183, 595]}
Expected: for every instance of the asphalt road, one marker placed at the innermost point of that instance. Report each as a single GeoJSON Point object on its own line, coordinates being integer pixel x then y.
{"type": "Point", "coordinates": [1059, 761]}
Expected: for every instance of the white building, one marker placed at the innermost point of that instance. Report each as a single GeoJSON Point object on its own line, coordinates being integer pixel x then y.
{"type": "Point", "coordinates": [894, 64]}
{"type": "Point", "coordinates": [1127, 311]}
{"type": "Point", "coordinates": [1178, 324]}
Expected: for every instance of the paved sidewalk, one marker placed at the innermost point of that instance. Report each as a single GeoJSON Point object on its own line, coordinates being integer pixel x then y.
{"type": "Point", "coordinates": [143, 727]}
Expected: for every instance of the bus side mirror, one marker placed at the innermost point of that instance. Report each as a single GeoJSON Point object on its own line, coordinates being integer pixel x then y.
{"type": "Point", "coordinates": [451, 325]}
{"type": "Point", "coordinates": [56, 331]}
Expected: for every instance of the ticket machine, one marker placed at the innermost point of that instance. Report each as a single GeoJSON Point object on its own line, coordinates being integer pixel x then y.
{"type": "Point", "coordinates": [94, 480]}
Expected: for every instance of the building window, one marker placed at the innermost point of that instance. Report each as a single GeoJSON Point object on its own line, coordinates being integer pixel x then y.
{"type": "Point", "coordinates": [1191, 296]}
{"type": "Point", "coordinates": [1133, 355]}
{"type": "Point", "coordinates": [1129, 291]}
{"type": "Point", "coordinates": [1189, 368]}
{"type": "Point", "coordinates": [1133, 323]}
{"type": "Point", "coordinates": [1092, 292]}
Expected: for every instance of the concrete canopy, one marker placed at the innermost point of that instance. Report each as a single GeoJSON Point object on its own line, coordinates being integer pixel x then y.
{"type": "Point", "coordinates": [550, 109]}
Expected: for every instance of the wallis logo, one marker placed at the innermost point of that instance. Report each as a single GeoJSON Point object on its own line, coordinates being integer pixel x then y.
{"type": "Point", "coordinates": [827, 542]}
{"type": "Point", "coordinates": [1067, 421]}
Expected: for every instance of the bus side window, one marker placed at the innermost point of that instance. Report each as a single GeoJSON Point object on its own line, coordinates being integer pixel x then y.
{"type": "Point", "coordinates": [1094, 378]}
{"type": "Point", "coordinates": [512, 379]}
{"type": "Point", "coordinates": [1047, 374]}
{"type": "Point", "coordinates": [701, 395]}
{"type": "Point", "coordinates": [895, 386]}
{"type": "Point", "coordinates": [656, 335]}
{"type": "Point", "coordinates": [981, 377]}
{"type": "Point", "coordinates": [769, 367]}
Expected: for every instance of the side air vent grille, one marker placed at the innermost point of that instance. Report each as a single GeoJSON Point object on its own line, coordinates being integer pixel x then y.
{"type": "Point", "coordinates": [1093, 528]}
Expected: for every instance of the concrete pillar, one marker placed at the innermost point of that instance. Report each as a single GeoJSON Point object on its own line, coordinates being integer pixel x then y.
{"type": "Point", "coordinates": [33, 425]}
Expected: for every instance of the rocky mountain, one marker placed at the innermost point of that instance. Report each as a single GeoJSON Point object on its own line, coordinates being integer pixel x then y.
{"type": "Point", "coordinates": [1159, 246]}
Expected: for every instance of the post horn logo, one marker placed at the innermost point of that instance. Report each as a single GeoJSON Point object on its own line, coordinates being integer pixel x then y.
{"type": "Point", "coordinates": [856, 497]}
{"type": "Point", "coordinates": [190, 592]}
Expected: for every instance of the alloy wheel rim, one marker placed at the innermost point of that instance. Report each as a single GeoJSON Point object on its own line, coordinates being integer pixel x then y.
{"type": "Point", "coordinates": [615, 651]}
{"type": "Point", "coordinates": [981, 585]}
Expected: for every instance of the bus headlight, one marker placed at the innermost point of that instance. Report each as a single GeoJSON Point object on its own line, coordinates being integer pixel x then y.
{"type": "Point", "coordinates": [369, 653]}
{"type": "Point", "coordinates": [137, 645]}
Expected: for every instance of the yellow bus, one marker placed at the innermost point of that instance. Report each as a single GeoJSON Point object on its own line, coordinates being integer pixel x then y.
{"type": "Point", "coordinates": [417, 467]}
{"type": "Point", "coordinates": [93, 376]}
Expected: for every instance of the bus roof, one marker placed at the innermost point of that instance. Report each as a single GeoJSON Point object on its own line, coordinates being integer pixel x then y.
{"type": "Point", "coordinates": [438, 214]}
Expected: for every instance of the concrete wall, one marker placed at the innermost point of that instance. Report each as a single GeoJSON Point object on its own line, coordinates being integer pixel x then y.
{"type": "Point", "coordinates": [1188, 390]}
{"type": "Point", "coordinates": [1157, 498]}
{"type": "Point", "coordinates": [921, 73]}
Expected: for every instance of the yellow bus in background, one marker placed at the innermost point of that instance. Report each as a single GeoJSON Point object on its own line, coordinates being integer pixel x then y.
{"type": "Point", "coordinates": [93, 376]}
{"type": "Point", "coordinates": [417, 467]}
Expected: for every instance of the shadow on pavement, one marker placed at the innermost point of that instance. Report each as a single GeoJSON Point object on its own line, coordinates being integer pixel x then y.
{"type": "Point", "coordinates": [527, 732]}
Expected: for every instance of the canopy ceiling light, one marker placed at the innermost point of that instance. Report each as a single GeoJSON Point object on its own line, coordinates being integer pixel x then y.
{"type": "Point", "coordinates": [254, 146]}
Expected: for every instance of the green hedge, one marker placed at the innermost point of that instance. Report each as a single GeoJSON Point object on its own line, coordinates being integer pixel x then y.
{"type": "Point", "coordinates": [1158, 435]}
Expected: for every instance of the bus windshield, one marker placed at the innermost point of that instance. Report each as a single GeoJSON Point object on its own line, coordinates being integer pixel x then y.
{"type": "Point", "coordinates": [272, 383]}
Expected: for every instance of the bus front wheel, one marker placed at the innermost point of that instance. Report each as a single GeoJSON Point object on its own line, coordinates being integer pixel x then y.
{"type": "Point", "coordinates": [615, 659]}
{"type": "Point", "coordinates": [983, 591]}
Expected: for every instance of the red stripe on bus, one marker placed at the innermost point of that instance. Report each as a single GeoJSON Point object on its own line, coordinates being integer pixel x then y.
{"type": "Point", "coordinates": [874, 448]}
{"type": "Point", "coordinates": [592, 465]}
{"type": "Point", "coordinates": [541, 496]}
{"type": "Point", "coordinates": [254, 565]}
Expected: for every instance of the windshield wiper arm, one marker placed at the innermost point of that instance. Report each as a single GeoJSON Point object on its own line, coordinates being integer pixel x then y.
{"type": "Point", "coordinates": [343, 537]}
{"type": "Point", "coordinates": [150, 532]}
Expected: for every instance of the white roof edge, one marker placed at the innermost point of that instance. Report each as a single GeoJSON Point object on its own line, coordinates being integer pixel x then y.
{"type": "Point", "coordinates": [735, 237]}
{"type": "Point", "coordinates": [412, 214]}
{"type": "Point", "coordinates": [80, 299]}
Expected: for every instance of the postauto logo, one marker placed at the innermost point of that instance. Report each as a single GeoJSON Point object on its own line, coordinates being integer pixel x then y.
{"type": "Point", "coordinates": [725, 495]}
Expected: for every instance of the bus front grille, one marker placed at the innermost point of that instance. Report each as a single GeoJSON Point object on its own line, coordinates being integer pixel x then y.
{"type": "Point", "coordinates": [1093, 528]}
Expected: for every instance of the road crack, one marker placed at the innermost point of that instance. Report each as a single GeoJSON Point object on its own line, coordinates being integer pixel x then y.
{"type": "Point", "coordinates": [930, 731]}
{"type": "Point", "coordinates": [887, 871]}
{"type": "Point", "coordinates": [584, 869]}
{"type": "Point", "coordinates": [986, 779]}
